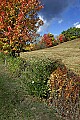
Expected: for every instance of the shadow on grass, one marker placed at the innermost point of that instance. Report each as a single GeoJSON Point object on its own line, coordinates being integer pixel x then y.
{"type": "Point", "coordinates": [16, 104]}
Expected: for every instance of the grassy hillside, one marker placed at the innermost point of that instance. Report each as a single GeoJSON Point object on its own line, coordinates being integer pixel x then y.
{"type": "Point", "coordinates": [15, 102]}
{"type": "Point", "coordinates": [68, 52]}
{"type": "Point", "coordinates": [16, 73]}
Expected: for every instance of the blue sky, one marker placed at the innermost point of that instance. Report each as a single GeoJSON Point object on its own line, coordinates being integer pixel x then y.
{"type": "Point", "coordinates": [59, 15]}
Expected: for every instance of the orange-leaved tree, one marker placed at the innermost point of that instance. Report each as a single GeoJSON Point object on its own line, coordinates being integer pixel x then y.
{"type": "Point", "coordinates": [19, 22]}
{"type": "Point", "coordinates": [47, 40]}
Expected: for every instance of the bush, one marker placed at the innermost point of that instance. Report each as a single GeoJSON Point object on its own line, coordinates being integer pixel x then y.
{"type": "Point", "coordinates": [39, 46]}
{"type": "Point", "coordinates": [33, 73]}
{"type": "Point", "coordinates": [64, 92]}
{"type": "Point", "coordinates": [73, 37]}
{"type": "Point", "coordinates": [55, 42]}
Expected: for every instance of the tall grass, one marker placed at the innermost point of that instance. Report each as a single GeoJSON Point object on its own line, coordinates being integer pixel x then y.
{"type": "Point", "coordinates": [16, 86]}
{"type": "Point", "coordinates": [33, 73]}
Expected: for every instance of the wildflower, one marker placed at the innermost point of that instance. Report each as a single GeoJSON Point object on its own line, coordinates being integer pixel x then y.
{"type": "Point", "coordinates": [32, 82]}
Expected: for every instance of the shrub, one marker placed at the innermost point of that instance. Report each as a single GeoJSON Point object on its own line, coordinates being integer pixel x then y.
{"type": "Point", "coordinates": [36, 74]}
{"type": "Point", "coordinates": [64, 92]}
{"type": "Point", "coordinates": [33, 73]}
{"type": "Point", "coordinates": [55, 42]}
{"type": "Point", "coordinates": [73, 37]}
{"type": "Point", "coordinates": [40, 45]}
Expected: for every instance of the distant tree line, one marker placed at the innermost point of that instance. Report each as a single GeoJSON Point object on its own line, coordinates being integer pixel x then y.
{"type": "Point", "coordinates": [71, 33]}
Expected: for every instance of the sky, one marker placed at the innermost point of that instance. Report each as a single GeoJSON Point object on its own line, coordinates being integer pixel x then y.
{"type": "Point", "coordinates": [59, 15]}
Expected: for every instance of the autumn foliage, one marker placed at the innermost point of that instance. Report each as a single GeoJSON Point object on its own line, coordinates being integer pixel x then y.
{"type": "Point", "coordinates": [47, 40]}
{"type": "Point", "coordinates": [61, 38]}
{"type": "Point", "coordinates": [18, 23]}
{"type": "Point", "coordinates": [64, 86]}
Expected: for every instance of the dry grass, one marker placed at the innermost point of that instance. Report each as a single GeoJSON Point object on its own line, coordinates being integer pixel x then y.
{"type": "Point", "coordinates": [68, 52]}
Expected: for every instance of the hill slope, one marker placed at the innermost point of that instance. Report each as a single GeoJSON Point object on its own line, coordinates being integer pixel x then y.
{"type": "Point", "coordinates": [68, 52]}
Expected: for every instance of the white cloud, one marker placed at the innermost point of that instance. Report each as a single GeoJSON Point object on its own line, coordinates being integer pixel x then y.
{"type": "Point", "coordinates": [60, 21]}
{"type": "Point", "coordinates": [45, 25]}
{"type": "Point", "coordinates": [77, 25]}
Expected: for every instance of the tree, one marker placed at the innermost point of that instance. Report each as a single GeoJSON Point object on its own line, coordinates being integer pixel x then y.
{"type": "Point", "coordinates": [18, 23]}
{"type": "Point", "coordinates": [47, 40]}
{"type": "Point", "coordinates": [72, 33]}
{"type": "Point", "coordinates": [62, 38]}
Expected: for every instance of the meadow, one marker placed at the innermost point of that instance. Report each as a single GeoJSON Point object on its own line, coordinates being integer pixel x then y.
{"type": "Point", "coordinates": [24, 90]}
{"type": "Point", "coordinates": [68, 52]}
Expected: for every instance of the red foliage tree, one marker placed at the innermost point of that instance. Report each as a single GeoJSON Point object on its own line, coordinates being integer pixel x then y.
{"type": "Point", "coordinates": [18, 22]}
{"type": "Point", "coordinates": [47, 40]}
{"type": "Point", "coordinates": [61, 38]}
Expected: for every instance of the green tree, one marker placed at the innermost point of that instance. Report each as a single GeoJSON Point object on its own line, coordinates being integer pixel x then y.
{"type": "Point", "coordinates": [72, 33]}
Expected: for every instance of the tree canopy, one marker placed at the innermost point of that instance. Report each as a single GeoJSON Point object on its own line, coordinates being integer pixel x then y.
{"type": "Point", "coordinates": [72, 33]}
{"type": "Point", "coordinates": [19, 22]}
